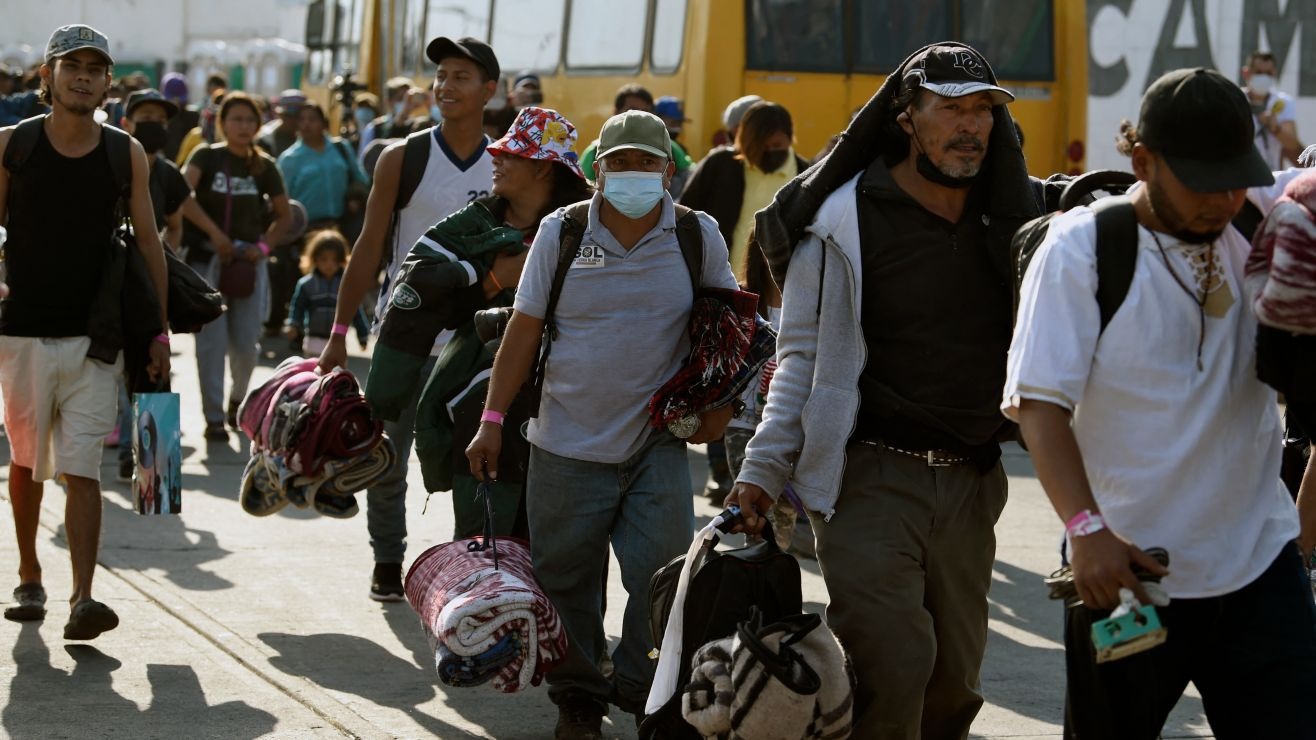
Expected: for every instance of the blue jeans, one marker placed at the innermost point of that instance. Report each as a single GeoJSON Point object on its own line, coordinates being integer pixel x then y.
{"type": "Point", "coordinates": [644, 506]}
{"type": "Point", "coordinates": [235, 335]}
{"type": "Point", "coordinates": [386, 501]}
{"type": "Point", "coordinates": [1251, 654]}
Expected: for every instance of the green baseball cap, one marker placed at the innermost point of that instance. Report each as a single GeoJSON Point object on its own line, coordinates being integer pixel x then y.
{"type": "Point", "coordinates": [635, 129]}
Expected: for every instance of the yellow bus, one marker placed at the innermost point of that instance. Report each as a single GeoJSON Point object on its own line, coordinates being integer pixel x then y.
{"type": "Point", "coordinates": [822, 59]}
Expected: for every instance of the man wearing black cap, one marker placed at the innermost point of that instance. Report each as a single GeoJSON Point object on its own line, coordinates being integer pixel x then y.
{"type": "Point", "coordinates": [1161, 435]}
{"type": "Point", "coordinates": [895, 324]}
{"type": "Point", "coordinates": [457, 170]}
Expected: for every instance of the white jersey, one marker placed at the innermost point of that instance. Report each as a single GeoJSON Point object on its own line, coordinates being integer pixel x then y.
{"type": "Point", "coordinates": [446, 187]}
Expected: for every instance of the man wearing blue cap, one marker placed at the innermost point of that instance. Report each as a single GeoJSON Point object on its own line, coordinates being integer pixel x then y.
{"type": "Point", "coordinates": [59, 401]}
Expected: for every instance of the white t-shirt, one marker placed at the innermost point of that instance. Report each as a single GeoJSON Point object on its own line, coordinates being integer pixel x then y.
{"type": "Point", "coordinates": [1177, 457]}
{"type": "Point", "coordinates": [1280, 106]}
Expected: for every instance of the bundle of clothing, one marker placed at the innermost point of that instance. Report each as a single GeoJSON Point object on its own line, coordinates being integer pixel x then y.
{"type": "Point", "coordinates": [314, 443]}
{"type": "Point", "coordinates": [485, 615]}
{"type": "Point", "coordinates": [729, 345]}
{"type": "Point", "coordinates": [784, 681]}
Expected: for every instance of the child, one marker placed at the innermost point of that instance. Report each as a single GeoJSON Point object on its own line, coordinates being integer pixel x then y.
{"type": "Point", "coordinates": [314, 300]}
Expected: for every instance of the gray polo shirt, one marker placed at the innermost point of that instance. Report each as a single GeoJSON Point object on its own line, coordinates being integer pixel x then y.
{"type": "Point", "coordinates": [622, 331]}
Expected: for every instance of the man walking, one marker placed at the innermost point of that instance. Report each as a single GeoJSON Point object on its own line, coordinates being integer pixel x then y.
{"type": "Point", "coordinates": [600, 472]}
{"type": "Point", "coordinates": [60, 403]}
{"type": "Point", "coordinates": [882, 413]}
{"type": "Point", "coordinates": [276, 136]}
{"type": "Point", "coordinates": [1274, 114]}
{"type": "Point", "coordinates": [1161, 435]}
{"type": "Point", "coordinates": [457, 171]}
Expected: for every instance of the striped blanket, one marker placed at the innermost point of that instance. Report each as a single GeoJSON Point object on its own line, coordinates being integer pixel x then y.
{"type": "Point", "coordinates": [1281, 270]}
{"type": "Point", "coordinates": [469, 606]}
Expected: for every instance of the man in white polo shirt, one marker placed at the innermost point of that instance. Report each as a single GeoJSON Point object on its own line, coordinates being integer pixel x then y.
{"type": "Point", "coordinates": [1174, 442]}
{"type": "Point", "coordinates": [599, 472]}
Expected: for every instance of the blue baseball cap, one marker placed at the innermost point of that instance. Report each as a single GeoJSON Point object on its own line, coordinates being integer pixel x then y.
{"type": "Point", "coordinates": [669, 107]}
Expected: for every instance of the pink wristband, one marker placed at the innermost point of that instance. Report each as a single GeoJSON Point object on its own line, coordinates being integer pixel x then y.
{"type": "Point", "coordinates": [263, 247]}
{"type": "Point", "coordinates": [162, 339]}
{"type": "Point", "coordinates": [493, 417]}
{"type": "Point", "coordinates": [1084, 523]}
{"type": "Point", "coordinates": [339, 330]}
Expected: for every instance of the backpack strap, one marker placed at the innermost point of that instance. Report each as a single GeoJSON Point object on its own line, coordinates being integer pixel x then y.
{"type": "Point", "coordinates": [1117, 253]}
{"type": "Point", "coordinates": [22, 143]}
{"type": "Point", "coordinates": [118, 144]}
{"type": "Point", "coordinates": [574, 221]}
{"type": "Point", "coordinates": [1248, 219]}
{"type": "Point", "coordinates": [690, 237]}
{"type": "Point", "coordinates": [414, 159]}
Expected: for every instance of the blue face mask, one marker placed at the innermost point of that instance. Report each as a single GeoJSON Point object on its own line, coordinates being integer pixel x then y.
{"type": "Point", "coordinates": [633, 193]}
{"type": "Point", "coordinates": [398, 107]}
{"type": "Point", "coordinates": [435, 114]}
{"type": "Point", "coordinates": [363, 117]}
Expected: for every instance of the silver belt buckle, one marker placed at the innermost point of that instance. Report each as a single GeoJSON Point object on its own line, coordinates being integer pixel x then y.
{"type": "Point", "coordinates": [933, 462]}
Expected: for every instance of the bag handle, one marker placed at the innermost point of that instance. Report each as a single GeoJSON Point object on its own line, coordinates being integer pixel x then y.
{"type": "Point", "coordinates": [490, 540]}
{"type": "Point", "coordinates": [228, 197]}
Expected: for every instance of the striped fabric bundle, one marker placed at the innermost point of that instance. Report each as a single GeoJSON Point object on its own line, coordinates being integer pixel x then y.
{"type": "Point", "coordinates": [469, 606]}
{"type": "Point", "coordinates": [785, 681]}
{"type": "Point", "coordinates": [1281, 271]}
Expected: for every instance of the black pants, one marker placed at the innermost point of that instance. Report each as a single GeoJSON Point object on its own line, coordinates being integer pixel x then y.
{"type": "Point", "coordinates": [1251, 654]}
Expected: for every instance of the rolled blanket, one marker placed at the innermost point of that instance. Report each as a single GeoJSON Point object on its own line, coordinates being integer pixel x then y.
{"type": "Point", "coordinates": [252, 412]}
{"type": "Point", "coordinates": [729, 345]}
{"type": "Point", "coordinates": [465, 671]}
{"type": "Point", "coordinates": [333, 493]}
{"type": "Point", "coordinates": [261, 493]}
{"type": "Point", "coordinates": [335, 424]}
{"type": "Point", "coordinates": [706, 703]}
{"type": "Point", "coordinates": [469, 606]}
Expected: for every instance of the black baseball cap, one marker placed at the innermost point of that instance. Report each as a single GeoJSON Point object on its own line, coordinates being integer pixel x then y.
{"type": "Point", "coordinates": [953, 71]}
{"type": "Point", "coordinates": [473, 49]}
{"type": "Point", "coordinates": [149, 95]}
{"type": "Point", "coordinates": [1201, 125]}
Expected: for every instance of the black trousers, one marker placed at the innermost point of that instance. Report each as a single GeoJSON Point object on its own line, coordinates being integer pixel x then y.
{"type": "Point", "coordinates": [1251, 654]}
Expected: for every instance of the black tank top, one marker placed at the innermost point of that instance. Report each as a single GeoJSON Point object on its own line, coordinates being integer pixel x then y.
{"type": "Point", "coordinates": [61, 219]}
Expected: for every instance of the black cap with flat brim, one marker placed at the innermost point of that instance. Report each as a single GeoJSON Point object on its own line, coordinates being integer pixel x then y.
{"type": "Point", "coordinates": [1200, 123]}
{"type": "Point", "coordinates": [953, 71]}
{"type": "Point", "coordinates": [473, 49]}
{"type": "Point", "coordinates": [149, 95]}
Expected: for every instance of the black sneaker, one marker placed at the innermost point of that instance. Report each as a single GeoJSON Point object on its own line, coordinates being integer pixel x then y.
{"type": "Point", "coordinates": [216, 432]}
{"type": "Point", "coordinates": [579, 719]}
{"type": "Point", "coordinates": [232, 416]}
{"type": "Point", "coordinates": [386, 583]}
{"type": "Point", "coordinates": [126, 470]}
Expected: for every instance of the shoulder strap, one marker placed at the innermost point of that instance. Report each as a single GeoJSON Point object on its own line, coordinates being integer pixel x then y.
{"type": "Point", "coordinates": [1248, 219]}
{"type": "Point", "coordinates": [1117, 253]}
{"type": "Point", "coordinates": [414, 159]}
{"type": "Point", "coordinates": [22, 143]}
{"type": "Point", "coordinates": [691, 238]}
{"type": "Point", "coordinates": [573, 231]}
{"type": "Point", "coordinates": [118, 144]}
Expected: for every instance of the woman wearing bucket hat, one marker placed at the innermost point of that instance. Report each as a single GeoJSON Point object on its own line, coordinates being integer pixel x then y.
{"type": "Point", "coordinates": [535, 172]}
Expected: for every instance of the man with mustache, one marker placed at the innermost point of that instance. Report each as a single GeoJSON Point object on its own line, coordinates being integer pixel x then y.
{"type": "Point", "coordinates": [883, 412]}
{"type": "Point", "coordinates": [1161, 435]}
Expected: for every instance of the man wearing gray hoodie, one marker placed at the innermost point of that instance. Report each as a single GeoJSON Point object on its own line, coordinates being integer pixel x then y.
{"type": "Point", "coordinates": [883, 413]}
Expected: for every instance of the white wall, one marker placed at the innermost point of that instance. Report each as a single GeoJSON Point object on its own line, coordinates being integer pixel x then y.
{"type": "Point", "coordinates": [1131, 42]}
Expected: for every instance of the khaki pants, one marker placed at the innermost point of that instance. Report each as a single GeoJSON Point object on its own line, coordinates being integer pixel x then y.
{"type": "Point", "coordinates": [907, 558]}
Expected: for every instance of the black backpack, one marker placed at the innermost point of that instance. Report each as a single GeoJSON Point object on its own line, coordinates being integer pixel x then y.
{"type": "Point", "coordinates": [1117, 236]}
{"type": "Point", "coordinates": [415, 158]}
{"type": "Point", "coordinates": [725, 588]}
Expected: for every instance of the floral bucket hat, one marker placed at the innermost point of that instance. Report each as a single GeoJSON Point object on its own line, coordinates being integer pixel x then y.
{"type": "Point", "coordinates": [540, 133]}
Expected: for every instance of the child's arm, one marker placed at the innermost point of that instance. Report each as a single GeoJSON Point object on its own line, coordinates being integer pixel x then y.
{"type": "Point", "coordinates": [298, 307]}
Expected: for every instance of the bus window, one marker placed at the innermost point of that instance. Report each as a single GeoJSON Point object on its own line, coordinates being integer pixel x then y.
{"type": "Point", "coordinates": [454, 19]}
{"type": "Point", "coordinates": [889, 30]}
{"type": "Point", "coordinates": [795, 35]}
{"type": "Point", "coordinates": [527, 34]}
{"type": "Point", "coordinates": [1014, 35]}
{"type": "Point", "coordinates": [606, 34]}
{"type": "Point", "coordinates": [668, 35]}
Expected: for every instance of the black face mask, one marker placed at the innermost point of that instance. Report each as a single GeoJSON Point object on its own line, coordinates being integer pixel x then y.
{"type": "Point", "coordinates": [151, 134]}
{"type": "Point", "coordinates": [923, 164]}
{"type": "Point", "coordinates": [771, 161]}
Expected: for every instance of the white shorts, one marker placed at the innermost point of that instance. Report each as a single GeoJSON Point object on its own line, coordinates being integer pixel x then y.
{"type": "Point", "coordinates": [59, 404]}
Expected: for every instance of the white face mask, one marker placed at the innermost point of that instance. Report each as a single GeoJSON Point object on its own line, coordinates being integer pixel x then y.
{"type": "Point", "coordinates": [633, 193]}
{"type": "Point", "coordinates": [1261, 84]}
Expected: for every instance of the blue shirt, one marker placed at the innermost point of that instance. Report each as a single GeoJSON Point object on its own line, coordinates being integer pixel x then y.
{"type": "Point", "coordinates": [319, 178]}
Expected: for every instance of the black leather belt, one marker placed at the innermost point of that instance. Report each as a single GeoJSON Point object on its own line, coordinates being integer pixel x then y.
{"type": "Point", "coordinates": [934, 458]}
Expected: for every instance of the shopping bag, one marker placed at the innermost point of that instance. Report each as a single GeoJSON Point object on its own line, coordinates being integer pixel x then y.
{"type": "Point", "coordinates": [157, 454]}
